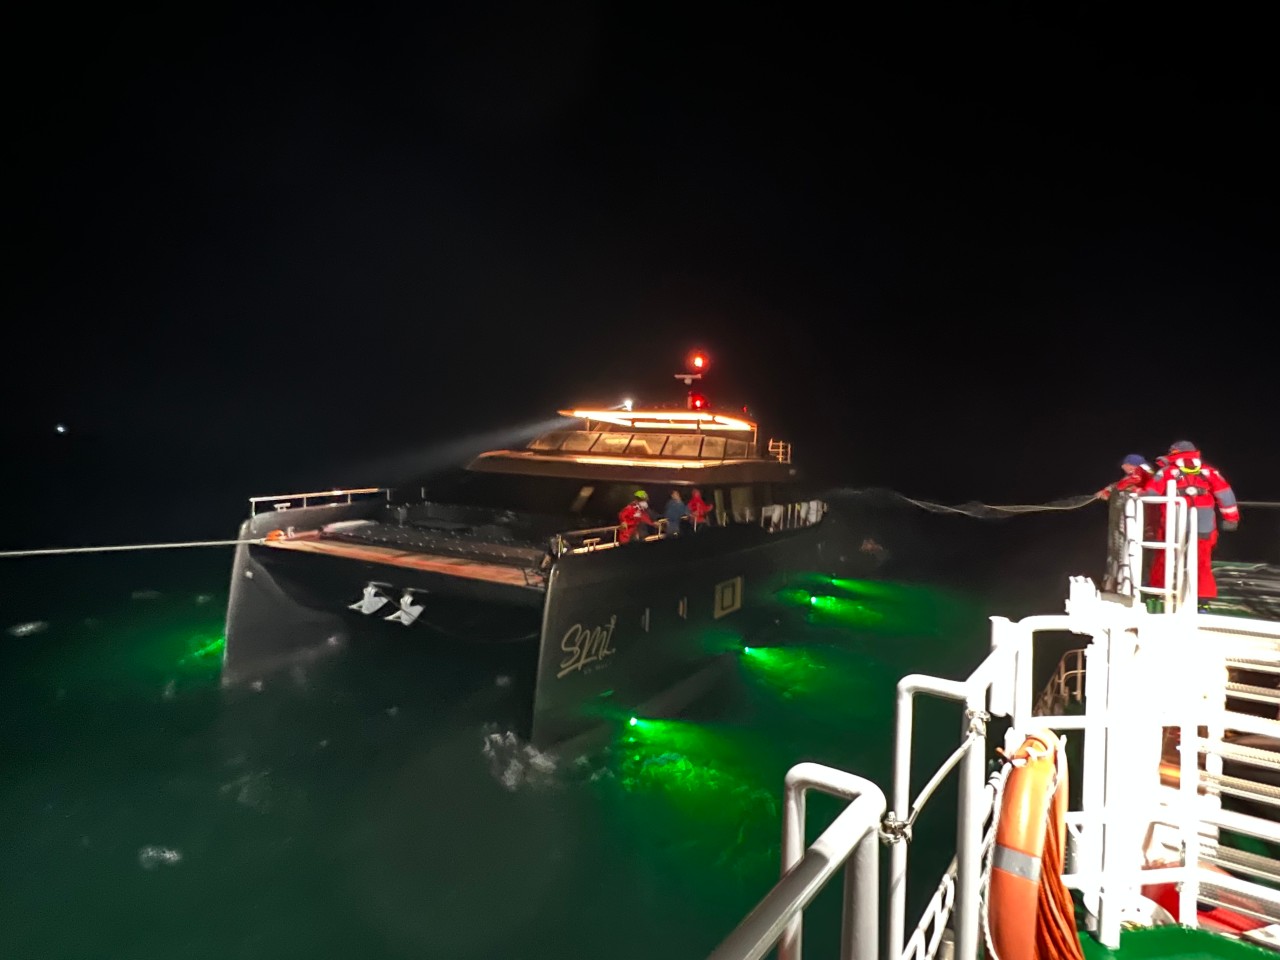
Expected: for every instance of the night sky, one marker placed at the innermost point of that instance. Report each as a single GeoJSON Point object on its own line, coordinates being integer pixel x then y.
{"type": "Point", "coordinates": [981, 254]}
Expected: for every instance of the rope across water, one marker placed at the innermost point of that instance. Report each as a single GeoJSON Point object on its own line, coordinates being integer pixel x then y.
{"type": "Point", "coordinates": [62, 551]}
{"type": "Point", "coordinates": [971, 509]}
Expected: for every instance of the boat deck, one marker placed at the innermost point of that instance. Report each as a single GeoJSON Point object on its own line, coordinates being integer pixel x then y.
{"type": "Point", "coordinates": [1174, 943]}
{"type": "Point", "coordinates": [431, 563]}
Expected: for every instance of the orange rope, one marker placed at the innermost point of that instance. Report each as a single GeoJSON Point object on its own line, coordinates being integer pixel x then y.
{"type": "Point", "coordinates": [1056, 936]}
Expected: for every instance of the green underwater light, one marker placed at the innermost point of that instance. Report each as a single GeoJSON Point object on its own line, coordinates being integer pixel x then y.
{"type": "Point", "coordinates": [633, 722]}
{"type": "Point", "coordinates": [213, 648]}
{"type": "Point", "coordinates": [203, 651]}
{"type": "Point", "coordinates": [843, 684]}
{"type": "Point", "coordinates": [878, 606]}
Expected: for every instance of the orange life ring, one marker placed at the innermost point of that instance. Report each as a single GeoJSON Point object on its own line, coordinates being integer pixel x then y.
{"type": "Point", "coordinates": [276, 534]}
{"type": "Point", "coordinates": [1029, 911]}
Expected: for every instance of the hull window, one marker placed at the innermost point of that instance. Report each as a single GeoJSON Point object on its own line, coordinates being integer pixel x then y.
{"type": "Point", "coordinates": [728, 598]}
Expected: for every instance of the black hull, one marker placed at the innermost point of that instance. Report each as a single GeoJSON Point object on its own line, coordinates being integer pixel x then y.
{"type": "Point", "coordinates": [623, 627]}
{"type": "Point", "coordinates": [642, 628]}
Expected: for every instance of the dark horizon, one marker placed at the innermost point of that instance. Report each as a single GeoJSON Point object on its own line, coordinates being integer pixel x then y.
{"type": "Point", "coordinates": [979, 259]}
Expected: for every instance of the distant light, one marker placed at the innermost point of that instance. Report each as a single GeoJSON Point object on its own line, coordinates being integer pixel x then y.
{"type": "Point", "coordinates": [746, 649]}
{"type": "Point", "coordinates": [627, 403]}
{"type": "Point", "coordinates": [633, 721]}
{"type": "Point", "coordinates": [61, 428]}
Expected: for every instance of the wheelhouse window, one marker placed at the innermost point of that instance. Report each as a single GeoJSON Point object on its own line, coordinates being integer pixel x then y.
{"type": "Point", "coordinates": [736, 449]}
{"type": "Point", "coordinates": [549, 441]}
{"type": "Point", "coordinates": [713, 448]}
{"type": "Point", "coordinates": [647, 445]}
{"type": "Point", "coordinates": [579, 441]}
{"type": "Point", "coordinates": [612, 443]}
{"type": "Point", "coordinates": [689, 447]}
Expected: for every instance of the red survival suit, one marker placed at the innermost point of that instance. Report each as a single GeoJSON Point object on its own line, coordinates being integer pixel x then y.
{"type": "Point", "coordinates": [1203, 486]}
{"type": "Point", "coordinates": [636, 521]}
{"type": "Point", "coordinates": [698, 509]}
{"type": "Point", "coordinates": [1137, 480]}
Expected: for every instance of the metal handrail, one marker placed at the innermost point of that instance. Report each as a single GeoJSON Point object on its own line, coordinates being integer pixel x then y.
{"type": "Point", "coordinates": [1065, 686]}
{"type": "Point", "coordinates": [970, 814]}
{"type": "Point", "coordinates": [851, 841]}
{"type": "Point", "coordinates": [792, 516]}
{"type": "Point", "coordinates": [284, 500]}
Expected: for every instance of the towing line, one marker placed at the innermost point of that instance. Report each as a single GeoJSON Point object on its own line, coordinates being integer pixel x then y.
{"type": "Point", "coordinates": [63, 551]}
{"type": "Point", "coordinates": [1074, 503]}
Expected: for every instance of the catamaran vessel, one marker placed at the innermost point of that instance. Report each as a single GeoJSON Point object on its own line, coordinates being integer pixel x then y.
{"type": "Point", "coordinates": [614, 627]}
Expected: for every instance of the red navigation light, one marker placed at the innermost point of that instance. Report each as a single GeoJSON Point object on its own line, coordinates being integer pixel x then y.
{"type": "Point", "coordinates": [698, 360]}
{"type": "Point", "coordinates": [697, 401]}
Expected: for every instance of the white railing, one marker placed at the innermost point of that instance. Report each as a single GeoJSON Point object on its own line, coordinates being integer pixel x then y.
{"type": "Point", "coordinates": [1179, 584]}
{"type": "Point", "coordinates": [792, 516]}
{"type": "Point", "coordinates": [1066, 686]}
{"type": "Point", "coordinates": [776, 517]}
{"type": "Point", "coordinates": [290, 501]}
{"type": "Point", "coordinates": [1141, 673]}
{"type": "Point", "coordinates": [850, 842]}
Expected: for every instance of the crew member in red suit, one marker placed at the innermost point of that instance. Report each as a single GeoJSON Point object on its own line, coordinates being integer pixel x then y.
{"type": "Point", "coordinates": [1203, 486]}
{"type": "Point", "coordinates": [636, 520]}
{"type": "Point", "coordinates": [1137, 479]}
{"type": "Point", "coordinates": [697, 508]}
{"type": "Point", "coordinates": [1137, 475]}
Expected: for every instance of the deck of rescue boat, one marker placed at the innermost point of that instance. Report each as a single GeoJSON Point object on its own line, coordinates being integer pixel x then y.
{"type": "Point", "coordinates": [497, 545]}
{"type": "Point", "coordinates": [487, 542]}
{"type": "Point", "coordinates": [455, 566]}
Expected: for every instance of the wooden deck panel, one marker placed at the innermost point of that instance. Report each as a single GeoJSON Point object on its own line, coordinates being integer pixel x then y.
{"type": "Point", "coordinates": [389, 556]}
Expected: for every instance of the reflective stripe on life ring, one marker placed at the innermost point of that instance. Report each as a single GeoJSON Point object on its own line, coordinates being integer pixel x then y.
{"type": "Point", "coordinates": [1016, 862]}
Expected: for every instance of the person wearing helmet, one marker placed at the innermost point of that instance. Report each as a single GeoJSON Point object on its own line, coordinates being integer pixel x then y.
{"type": "Point", "coordinates": [1203, 486]}
{"type": "Point", "coordinates": [635, 521]}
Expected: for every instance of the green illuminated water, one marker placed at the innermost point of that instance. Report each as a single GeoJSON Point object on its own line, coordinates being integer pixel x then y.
{"type": "Point", "coordinates": [377, 805]}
